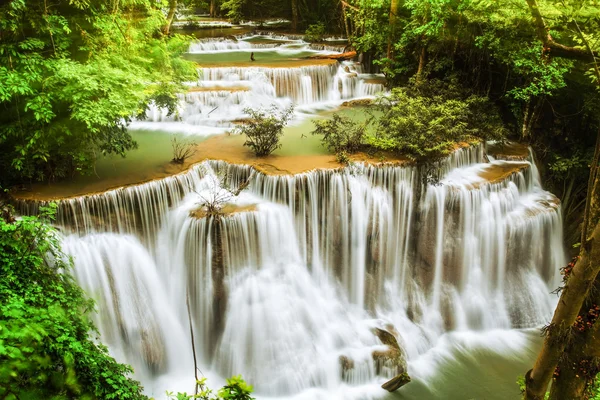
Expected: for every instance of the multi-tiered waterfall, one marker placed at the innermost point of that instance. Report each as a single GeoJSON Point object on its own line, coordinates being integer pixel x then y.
{"type": "Point", "coordinates": [221, 93]}
{"type": "Point", "coordinates": [293, 286]}
{"type": "Point", "coordinates": [310, 264]}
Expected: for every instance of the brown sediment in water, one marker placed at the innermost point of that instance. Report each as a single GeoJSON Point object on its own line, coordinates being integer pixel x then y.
{"type": "Point", "coordinates": [375, 81]}
{"type": "Point", "coordinates": [495, 173]}
{"type": "Point", "coordinates": [291, 63]}
{"type": "Point", "coordinates": [228, 148]}
{"type": "Point", "coordinates": [227, 210]}
{"type": "Point", "coordinates": [219, 89]}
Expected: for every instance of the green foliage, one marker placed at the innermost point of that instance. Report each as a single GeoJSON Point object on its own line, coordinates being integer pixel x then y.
{"type": "Point", "coordinates": [235, 389]}
{"type": "Point", "coordinates": [315, 32]}
{"type": "Point", "coordinates": [342, 157]}
{"type": "Point", "coordinates": [427, 121]}
{"type": "Point", "coordinates": [72, 76]}
{"type": "Point", "coordinates": [46, 351]}
{"type": "Point", "coordinates": [264, 128]}
{"type": "Point", "coordinates": [341, 135]}
{"type": "Point", "coordinates": [234, 10]}
{"type": "Point", "coordinates": [245, 10]}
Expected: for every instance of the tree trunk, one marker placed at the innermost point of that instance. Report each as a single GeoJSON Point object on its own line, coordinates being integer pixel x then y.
{"type": "Point", "coordinates": [294, 15]}
{"type": "Point", "coordinates": [422, 63]}
{"type": "Point", "coordinates": [571, 300]}
{"type": "Point", "coordinates": [578, 366]}
{"type": "Point", "coordinates": [552, 47]}
{"type": "Point", "coordinates": [524, 131]}
{"type": "Point", "coordinates": [213, 8]}
{"type": "Point", "coordinates": [585, 271]}
{"type": "Point", "coordinates": [394, 7]}
{"type": "Point", "coordinates": [170, 16]}
{"type": "Point", "coordinates": [218, 280]}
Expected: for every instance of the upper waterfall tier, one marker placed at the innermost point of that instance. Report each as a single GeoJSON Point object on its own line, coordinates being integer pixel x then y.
{"type": "Point", "coordinates": [220, 96]}
{"type": "Point", "coordinates": [205, 46]}
{"type": "Point", "coordinates": [259, 42]}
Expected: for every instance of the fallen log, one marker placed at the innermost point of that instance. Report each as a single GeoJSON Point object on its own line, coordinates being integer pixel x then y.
{"type": "Point", "coordinates": [396, 382]}
{"type": "Point", "coordinates": [349, 55]}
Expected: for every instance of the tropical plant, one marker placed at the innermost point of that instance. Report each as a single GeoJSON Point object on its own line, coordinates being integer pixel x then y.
{"type": "Point", "coordinates": [72, 76]}
{"type": "Point", "coordinates": [49, 347]}
{"type": "Point", "coordinates": [264, 128]}
{"type": "Point", "coordinates": [235, 389]}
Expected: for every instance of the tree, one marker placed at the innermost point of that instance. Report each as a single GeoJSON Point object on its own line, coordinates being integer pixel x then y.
{"type": "Point", "coordinates": [239, 10]}
{"type": "Point", "coordinates": [394, 10]}
{"type": "Point", "coordinates": [170, 16]}
{"type": "Point", "coordinates": [572, 339]}
{"type": "Point", "coordinates": [295, 15]}
{"type": "Point", "coordinates": [72, 76]}
{"type": "Point", "coordinates": [426, 121]}
{"type": "Point", "coordinates": [264, 128]}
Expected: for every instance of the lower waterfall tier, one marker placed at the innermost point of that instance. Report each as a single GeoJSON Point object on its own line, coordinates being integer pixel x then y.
{"type": "Point", "coordinates": [291, 284]}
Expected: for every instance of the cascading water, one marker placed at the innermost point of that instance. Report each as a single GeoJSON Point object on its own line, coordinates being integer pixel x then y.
{"type": "Point", "coordinates": [218, 99]}
{"type": "Point", "coordinates": [288, 287]}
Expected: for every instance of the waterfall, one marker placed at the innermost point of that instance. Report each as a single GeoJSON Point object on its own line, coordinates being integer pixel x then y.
{"type": "Point", "coordinates": [288, 286]}
{"type": "Point", "coordinates": [216, 101]}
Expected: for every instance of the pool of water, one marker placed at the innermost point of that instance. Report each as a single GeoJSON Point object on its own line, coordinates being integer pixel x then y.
{"type": "Point", "coordinates": [277, 56]}
{"type": "Point", "coordinates": [152, 158]}
{"type": "Point", "coordinates": [213, 32]}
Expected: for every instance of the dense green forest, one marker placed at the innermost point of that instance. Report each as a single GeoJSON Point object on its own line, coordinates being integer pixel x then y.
{"type": "Point", "coordinates": [73, 75]}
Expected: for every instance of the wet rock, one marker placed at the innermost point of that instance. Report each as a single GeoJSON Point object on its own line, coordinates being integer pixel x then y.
{"type": "Point", "coordinates": [347, 365]}
{"type": "Point", "coordinates": [357, 103]}
{"type": "Point", "coordinates": [153, 350]}
{"type": "Point", "coordinates": [340, 57]}
{"type": "Point", "coordinates": [511, 151]}
{"type": "Point", "coordinates": [392, 360]}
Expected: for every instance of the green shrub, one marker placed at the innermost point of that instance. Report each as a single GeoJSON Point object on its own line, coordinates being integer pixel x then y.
{"type": "Point", "coordinates": [46, 350]}
{"type": "Point", "coordinates": [235, 389]}
{"type": "Point", "coordinates": [314, 32]}
{"type": "Point", "coordinates": [427, 121]}
{"type": "Point", "coordinates": [342, 157]}
{"type": "Point", "coordinates": [264, 128]}
{"type": "Point", "coordinates": [341, 134]}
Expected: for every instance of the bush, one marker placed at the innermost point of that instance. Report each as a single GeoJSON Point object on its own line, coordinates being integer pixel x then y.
{"type": "Point", "coordinates": [427, 121]}
{"type": "Point", "coordinates": [314, 32]}
{"type": "Point", "coordinates": [341, 134]}
{"type": "Point", "coordinates": [342, 157]}
{"type": "Point", "coordinates": [235, 389]}
{"type": "Point", "coordinates": [46, 350]}
{"type": "Point", "coordinates": [264, 129]}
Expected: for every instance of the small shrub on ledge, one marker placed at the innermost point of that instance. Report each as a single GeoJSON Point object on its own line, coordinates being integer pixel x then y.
{"type": "Point", "coordinates": [264, 128]}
